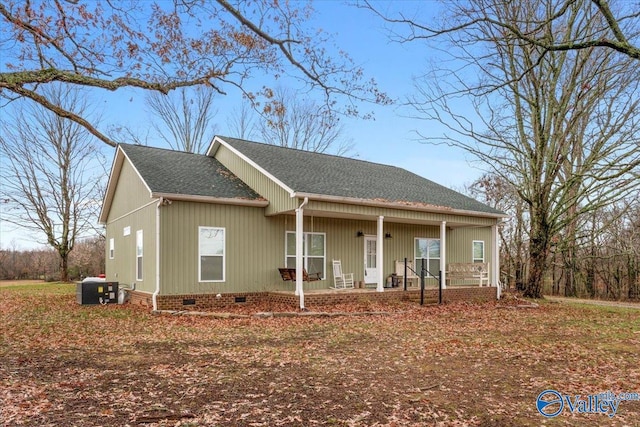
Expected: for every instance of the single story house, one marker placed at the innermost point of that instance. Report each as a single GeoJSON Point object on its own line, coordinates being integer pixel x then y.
{"type": "Point", "coordinates": [185, 228]}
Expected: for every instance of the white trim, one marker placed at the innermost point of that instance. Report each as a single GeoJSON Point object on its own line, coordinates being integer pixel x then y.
{"type": "Point", "coordinates": [212, 152]}
{"type": "Point", "coordinates": [419, 265]}
{"type": "Point", "coordinates": [299, 238]}
{"type": "Point", "coordinates": [473, 257]}
{"type": "Point", "coordinates": [305, 256]}
{"type": "Point", "coordinates": [156, 292]}
{"type": "Point", "coordinates": [380, 254]}
{"type": "Point", "coordinates": [367, 238]}
{"type": "Point", "coordinates": [210, 199]}
{"type": "Point", "coordinates": [443, 253]}
{"type": "Point", "coordinates": [129, 213]}
{"type": "Point", "coordinates": [224, 254]}
{"type": "Point", "coordinates": [111, 186]}
{"type": "Point", "coordinates": [494, 278]}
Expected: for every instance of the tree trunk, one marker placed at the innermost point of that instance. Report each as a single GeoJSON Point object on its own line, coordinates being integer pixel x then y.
{"type": "Point", "coordinates": [569, 263]}
{"type": "Point", "coordinates": [537, 262]}
{"type": "Point", "coordinates": [64, 267]}
{"type": "Point", "coordinates": [634, 280]}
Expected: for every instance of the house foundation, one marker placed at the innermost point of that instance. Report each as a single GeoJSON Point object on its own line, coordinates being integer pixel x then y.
{"type": "Point", "coordinates": [202, 302]}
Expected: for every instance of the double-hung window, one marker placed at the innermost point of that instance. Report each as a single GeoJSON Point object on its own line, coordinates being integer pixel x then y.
{"type": "Point", "coordinates": [211, 254]}
{"type": "Point", "coordinates": [313, 252]}
{"type": "Point", "coordinates": [429, 251]}
{"type": "Point", "coordinates": [139, 241]}
{"type": "Point", "coordinates": [478, 251]}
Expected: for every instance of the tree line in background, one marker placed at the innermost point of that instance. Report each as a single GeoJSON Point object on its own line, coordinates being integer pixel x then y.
{"type": "Point", "coordinates": [598, 257]}
{"type": "Point", "coordinates": [86, 260]}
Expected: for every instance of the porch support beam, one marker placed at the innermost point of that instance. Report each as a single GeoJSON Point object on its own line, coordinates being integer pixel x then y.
{"type": "Point", "coordinates": [495, 259]}
{"type": "Point", "coordinates": [299, 259]}
{"type": "Point", "coordinates": [379, 254]}
{"type": "Point", "coordinates": [443, 253]}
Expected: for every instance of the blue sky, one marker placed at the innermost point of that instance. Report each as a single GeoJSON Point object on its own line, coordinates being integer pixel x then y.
{"type": "Point", "coordinates": [389, 138]}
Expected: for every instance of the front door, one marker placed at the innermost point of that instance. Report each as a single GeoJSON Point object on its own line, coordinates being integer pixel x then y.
{"type": "Point", "coordinates": [370, 260]}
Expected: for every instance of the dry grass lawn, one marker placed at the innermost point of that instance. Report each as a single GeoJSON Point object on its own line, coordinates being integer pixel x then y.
{"type": "Point", "coordinates": [62, 364]}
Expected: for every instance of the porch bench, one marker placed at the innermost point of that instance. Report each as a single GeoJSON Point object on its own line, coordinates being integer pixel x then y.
{"type": "Point", "coordinates": [412, 278]}
{"type": "Point", "coordinates": [477, 272]}
{"type": "Point", "coordinates": [289, 275]}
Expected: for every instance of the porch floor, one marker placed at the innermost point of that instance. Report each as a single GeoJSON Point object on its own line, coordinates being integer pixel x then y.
{"type": "Point", "coordinates": [431, 295]}
{"type": "Point", "coordinates": [358, 291]}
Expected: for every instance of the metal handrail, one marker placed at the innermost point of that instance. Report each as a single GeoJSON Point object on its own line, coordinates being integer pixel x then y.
{"type": "Point", "coordinates": [422, 277]}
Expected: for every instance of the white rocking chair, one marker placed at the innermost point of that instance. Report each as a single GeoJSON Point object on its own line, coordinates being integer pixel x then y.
{"type": "Point", "coordinates": [340, 279]}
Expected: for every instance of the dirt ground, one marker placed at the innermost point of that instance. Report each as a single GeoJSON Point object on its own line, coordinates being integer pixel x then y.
{"type": "Point", "coordinates": [62, 364]}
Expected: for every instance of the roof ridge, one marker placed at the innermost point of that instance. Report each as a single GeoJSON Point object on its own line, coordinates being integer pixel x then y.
{"type": "Point", "coordinates": [300, 150]}
{"type": "Point", "coordinates": [172, 150]}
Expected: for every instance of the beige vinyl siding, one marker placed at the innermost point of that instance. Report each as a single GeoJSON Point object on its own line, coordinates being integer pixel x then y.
{"type": "Point", "coordinates": [130, 193]}
{"type": "Point", "coordinates": [279, 199]}
{"type": "Point", "coordinates": [460, 243]}
{"type": "Point", "coordinates": [343, 243]}
{"type": "Point", "coordinates": [122, 268]}
{"type": "Point", "coordinates": [254, 248]}
{"type": "Point", "coordinates": [132, 208]}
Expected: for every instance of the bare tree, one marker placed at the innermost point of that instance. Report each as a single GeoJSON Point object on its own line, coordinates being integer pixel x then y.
{"type": "Point", "coordinates": [241, 122]}
{"type": "Point", "coordinates": [619, 32]}
{"type": "Point", "coordinates": [51, 172]}
{"type": "Point", "coordinates": [185, 122]}
{"type": "Point", "coordinates": [560, 125]}
{"type": "Point", "coordinates": [162, 46]}
{"type": "Point", "coordinates": [297, 122]}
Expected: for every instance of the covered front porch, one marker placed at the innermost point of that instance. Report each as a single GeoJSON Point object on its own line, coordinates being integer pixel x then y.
{"type": "Point", "coordinates": [370, 240]}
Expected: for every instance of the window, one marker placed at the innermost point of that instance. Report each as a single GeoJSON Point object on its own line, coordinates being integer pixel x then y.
{"type": "Point", "coordinates": [211, 251]}
{"type": "Point", "coordinates": [478, 251]}
{"type": "Point", "coordinates": [112, 245]}
{"type": "Point", "coordinates": [139, 255]}
{"type": "Point", "coordinates": [313, 252]}
{"type": "Point", "coordinates": [429, 251]}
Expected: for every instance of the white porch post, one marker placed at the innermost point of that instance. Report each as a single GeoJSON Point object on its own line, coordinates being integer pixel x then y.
{"type": "Point", "coordinates": [299, 249]}
{"type": "Point", "coordinates": [443, 252]}
{"type": "Point", "coordinates": [379, 254]}
{"type": "Point", "coordinates": [495, 259]}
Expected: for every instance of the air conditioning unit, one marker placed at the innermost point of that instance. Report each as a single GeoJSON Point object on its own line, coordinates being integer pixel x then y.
{"type": "Point", "coordinates": [94, 290]}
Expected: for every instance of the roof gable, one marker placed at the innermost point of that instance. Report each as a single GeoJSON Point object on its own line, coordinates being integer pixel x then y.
{"type": "Point", "coordinates": [177, 172]}
{"type": "Point", "coordinates": [307, 173]}
{"type": "Point", "coordinates": [179, 175]}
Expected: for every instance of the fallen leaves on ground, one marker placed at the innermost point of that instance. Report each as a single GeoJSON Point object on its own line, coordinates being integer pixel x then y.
{"type": "Point", "coordinates": [452, 365]}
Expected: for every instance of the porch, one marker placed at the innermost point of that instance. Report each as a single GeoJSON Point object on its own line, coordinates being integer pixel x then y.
{"type": "Point", "coordinates": [372, 242]}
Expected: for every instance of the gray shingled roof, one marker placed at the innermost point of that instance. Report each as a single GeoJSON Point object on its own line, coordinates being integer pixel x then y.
{"type": "Point", "coordinates": [177, 172]}
{"type": "Point", "coordinates": [315, 173]}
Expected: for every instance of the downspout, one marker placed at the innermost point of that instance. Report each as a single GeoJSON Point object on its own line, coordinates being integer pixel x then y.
{"type": "Point", "coordinates": [495, 258]}
{"type": "Point", "coordinates": [299, 248]}
{"type": "Point", "coordinates": [154, 297]}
